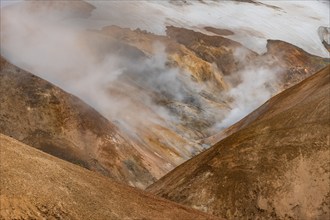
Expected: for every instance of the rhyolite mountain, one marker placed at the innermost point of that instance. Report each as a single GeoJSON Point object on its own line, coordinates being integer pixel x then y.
{"type": "Point", "coordinates": [129, 90]}
{"type": "Point", "coordinates": [212, 62]}
{"type": "Point", "coordinates": [36, 185]}
{"type": "Point", "coordinates": [276, 166]}
{"type": "Point", "coordinates": [159, 126]}
{"type": "Point", "coordinates": [42, 115]}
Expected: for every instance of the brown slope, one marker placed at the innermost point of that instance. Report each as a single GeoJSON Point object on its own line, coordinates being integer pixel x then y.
{"type": "Point", "coordinates": [208, 59]}
{"type": "Point", "coordinates": [42, 115]}
{"type": "Point", "coordinates": [296, 65]}
{"type": "Point", "coordinates": [212, 49]}
{"type": "Point", "coordinates": [163, 145]}
{"type": "Point", "coordinates": [275, 168]}
{"type": "Point", "coordinates": [35, 185]}
{"type": "Point", "coordinates": [197, 53]}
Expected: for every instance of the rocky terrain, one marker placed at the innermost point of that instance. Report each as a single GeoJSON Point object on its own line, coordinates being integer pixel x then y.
{"type": "Point", "coordinates": [212, 62]}
{"type": "Point", "coordinates": [44, 187]}
{"type": "Point", "coordinates": [275, 167]}
{"type": "Point", "coordinates": [42, 115]}
{"type": "Point", "coordinates": [99, 96]}
{"type": "Point", "coordinates": [183, 85]}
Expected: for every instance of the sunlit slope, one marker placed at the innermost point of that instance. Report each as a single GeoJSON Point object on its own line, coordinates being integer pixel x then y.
{"type": "Point", "coordinates": [276, 167]}
{"type": "Point", "coordinates": [169, 93]}
{"type": "Point", "coordinates": [35, 185]}
{"type": "Point", "coordinates": [220, 67]}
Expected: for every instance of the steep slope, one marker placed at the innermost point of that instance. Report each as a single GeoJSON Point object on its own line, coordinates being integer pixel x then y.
{"type": "Point", "coordinates": [277, 167]}
{"type": "Point", "coordinates": [35, 185]}
{"type": "Point", "coordinates": [296, 65]}
{"type": "Point", "coordinates": [231, 57]}
{"type": "Point", "coordinates": [42, 115]}
{"type": "Point", "coordinates": [168, 94]}
{"type": "Point", "coordinates": [218, 65]}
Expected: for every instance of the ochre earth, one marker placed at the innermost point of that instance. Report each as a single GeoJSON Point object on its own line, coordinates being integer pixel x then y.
{"type": "Point", "coordinates": [276, 167]}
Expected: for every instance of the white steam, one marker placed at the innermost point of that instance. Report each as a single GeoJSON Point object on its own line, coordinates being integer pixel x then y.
{"type": "Point", "coordinates": [256, 87]}
{"type": "Point", "coordinates": [121, 82]}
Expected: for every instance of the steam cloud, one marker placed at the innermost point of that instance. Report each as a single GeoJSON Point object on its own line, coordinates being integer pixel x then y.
{"type": "Point", "coordinates": [120, 81]}
{"type": "Point", "coordinates": [254, 89]}
{"type": "Point", "coordinates": [57, 51]}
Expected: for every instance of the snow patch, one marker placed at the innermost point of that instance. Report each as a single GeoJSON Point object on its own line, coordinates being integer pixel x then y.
{"type": "Point", "coordinates": [295, 22]}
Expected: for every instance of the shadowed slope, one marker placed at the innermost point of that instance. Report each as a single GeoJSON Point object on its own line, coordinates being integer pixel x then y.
{"type": "Point", "coordinates": [276, 167]}
{"type": "Point", "coordinates": [35, 185]}
{"type": "Point", "coordinates": [42, 115]}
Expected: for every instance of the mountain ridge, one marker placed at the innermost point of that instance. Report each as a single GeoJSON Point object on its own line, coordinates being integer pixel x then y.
{"type": "Point", "coordinates": [37, 185]}
{"type": "Point", "coordinates": [275, 167]}
{"type": "Point", "coordinates": [39, 113]}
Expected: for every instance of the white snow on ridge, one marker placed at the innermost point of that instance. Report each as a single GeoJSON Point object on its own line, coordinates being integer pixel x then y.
{"type": "Point", "coordinates": [295, 22]}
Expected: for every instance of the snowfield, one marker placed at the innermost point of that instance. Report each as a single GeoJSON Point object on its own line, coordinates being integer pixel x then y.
{"type": "Point", "coordinates": [295, 22]}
